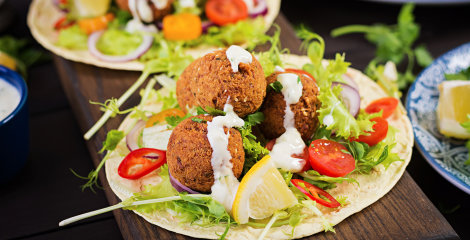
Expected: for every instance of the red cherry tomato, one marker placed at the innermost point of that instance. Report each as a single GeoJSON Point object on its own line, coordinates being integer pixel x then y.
{"type": "Point", "coordinates": [299, 71]}
{"type": "Point", "coordinates": [314, 193]}
{"type": "Point", "coordinates": [330, 158]}
{"type": "Point", "coordinates": [303, 156]}
{"type": "Point", "coordinates": [387, 104]}
{"type": "Point", "coordinates": [141, 162]}
{"type": "Point", "coordinates": [380, 132]}
{"type": "Point", "coordinates": [223, 12]}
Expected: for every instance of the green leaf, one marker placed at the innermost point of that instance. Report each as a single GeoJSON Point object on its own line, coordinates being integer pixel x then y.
{"type": "Point", "coordinates": [462, 75]}
{"type": "Point", "coordinates": [466, 124]}
{"type": "Point", "coordinates": [272, 57]}
{"type": "Point", "coordinates": [423, 57]}
{"type": "Point", "coordinates": [175, 120]}
{"type": "Point", "coordinates": [112, 140]}
{"type": "Point", "coordinates": [276, 86]}
{"type": "Point", "coordinates": [198, 120]}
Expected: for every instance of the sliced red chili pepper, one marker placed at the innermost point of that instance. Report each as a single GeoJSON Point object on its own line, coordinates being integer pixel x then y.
{"type": "Point", "coordinates": [314, 193]}
{"type": "Point", "coordinates": [63, 23]}
{"type": "Point", "coordinates": [141, 162]}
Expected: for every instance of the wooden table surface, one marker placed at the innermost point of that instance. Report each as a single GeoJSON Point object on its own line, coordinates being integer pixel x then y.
{"type": "Point", "coordinates": [45, 192]}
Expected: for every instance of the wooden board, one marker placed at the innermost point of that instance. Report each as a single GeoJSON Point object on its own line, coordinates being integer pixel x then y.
{"type": "Point", "coordinates": [404, 213]}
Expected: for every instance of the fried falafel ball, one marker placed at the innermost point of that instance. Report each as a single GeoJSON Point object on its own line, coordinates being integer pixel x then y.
{"type": "Point", "coordinates": [184, 95]}
{"type": "Point", "coordinates": [189, 154]}
{"type": "Point", "coordinates": [158, 12]}
{"type": "Point", "coordinates": [305, 111]}
{"type": "Point", "coordinates": [212, 81]}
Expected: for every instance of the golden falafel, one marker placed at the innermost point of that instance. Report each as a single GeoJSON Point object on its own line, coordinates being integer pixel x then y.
{"type": "Point", "coordinates": [305, 111]}
{"type": "Point", "coordinates": [189, 154]}
{"type": "Point", "coordinates": [212, 82]}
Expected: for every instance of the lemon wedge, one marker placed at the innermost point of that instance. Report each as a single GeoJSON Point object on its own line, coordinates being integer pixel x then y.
{"type": "Point", "coordinates": [453, 107]}
{"type": "Point", "coordinates": [7, 61]}
{"type": "Point", "coordinates": [261, 192]}
{"type": "Point", "coordinates": [90, 8]}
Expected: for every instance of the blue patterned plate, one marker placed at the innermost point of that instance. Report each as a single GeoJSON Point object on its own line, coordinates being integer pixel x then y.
{"type": "Point", "coordinates": [446, 155]}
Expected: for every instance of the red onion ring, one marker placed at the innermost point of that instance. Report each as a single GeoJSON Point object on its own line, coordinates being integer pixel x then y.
{"type": "Point", "coordinates": [132, 137]}
{"type": "Point", "coordinates": [261, 8]}
{"type": "Point", "coordinates": [206, 25]}
{"type": "Point", "coordinates": [180, 187]}
{"type": "Point", "coordinates": [350, 81]}
{"type": "Point", "coordinates": [350, 97]}
{"type": "Point", "coordinates": [144, 47]}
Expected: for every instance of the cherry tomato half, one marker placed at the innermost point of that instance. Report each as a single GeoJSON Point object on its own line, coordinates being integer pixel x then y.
{"type": "Point", "coordinates": [380, 132]}
{"type": "Point", "coordinates": [160, 117]}
{"type": "Point", "coordinates": [314, 193]}
{"type": "Point", "coordinates": [387, 104]}
{"type": "Point", "coordinates": [223, 12]}
{"type": "Point", "coordinates": [303, 156]}
{"type": "Point", "coordinates": [300, 71]}
{"type": "Point", "coordinates": [330, 158]}
{"type": "Point", "coordinates": [141, 162]}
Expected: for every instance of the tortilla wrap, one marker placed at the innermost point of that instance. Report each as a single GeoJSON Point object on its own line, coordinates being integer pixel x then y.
{"type": "Point", "coordinates": [370, 188]}
{"type": "Point", "coordinates": [43, 14]}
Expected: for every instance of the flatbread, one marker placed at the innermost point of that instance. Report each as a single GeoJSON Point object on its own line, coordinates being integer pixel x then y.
{"type": "Point", "coordinates": [370, 188]}
{"type": "Point", "coordinates": [43, 14]}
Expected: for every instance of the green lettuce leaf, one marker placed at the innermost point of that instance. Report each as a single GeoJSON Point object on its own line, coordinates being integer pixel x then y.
{"type": "Point", "coordinates": [272, 57]}
{"type": "Point", "coordinates": [73, 38]}
{"type": "Point", "coordinates": [324, 182]}
{"type": "Point", "coordinates": [462, 75]}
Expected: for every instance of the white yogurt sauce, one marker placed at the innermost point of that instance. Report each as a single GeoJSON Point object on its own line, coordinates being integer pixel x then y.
{"type": "Point", "coordinates": [144, 10]}
{"type": "Point", "coordinates": [156, 136]}
{"type": "Point", "coordinates": [237, 55]}
{"type": "Point", "coordinates": [225, 183]}
{"type": "Point", "coordinates": [160, 4]}
{"type": "Point", "coordinates": [279, 69]}
{"type": "Point", "coordinates": [290, 142]}
{"type": "Point", "coordinates": [9, 99]}
{"type": "Point", "coordinates": [328, 119]}
{"type": "Point", "coordinates": [249, 4]}
{"type": "Point", "coordinates": [187, 3]}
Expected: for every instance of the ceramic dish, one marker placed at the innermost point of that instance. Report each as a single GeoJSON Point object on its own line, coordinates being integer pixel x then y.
{"type": "Point", "coordinates": [445, 155]}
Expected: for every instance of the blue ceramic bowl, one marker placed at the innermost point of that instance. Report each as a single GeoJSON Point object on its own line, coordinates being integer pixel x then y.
{"type": "Point", "coordinates": [14, 129]}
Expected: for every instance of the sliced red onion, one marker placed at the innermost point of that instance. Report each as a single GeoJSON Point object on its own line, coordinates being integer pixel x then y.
{"type": "Point", "coordinates": [261, 8]}
{"type": "Point", "coordinates": [206, 25]}
{"type": "Point", "coordinates": [350, 97]}
{"type": "Point", "coordinates": [56, 3]}
{"type": "Point", "coordinates": [159, 25]}
{"type": "Point", "coordinates": [144, 47]}
{"type": "Point", "coordinates": [132, 139]}
{"type": "Point", "coordinates": [180, 187]}
{"type": "Point", "coordinates": [350, 81]}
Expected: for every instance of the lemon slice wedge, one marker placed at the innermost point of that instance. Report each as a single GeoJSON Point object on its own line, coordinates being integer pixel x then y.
{"type": "Point", "coordinates": [7, 61]}
{"type": "Point", "coordinates": [261, 192]}
{"type": "Point", "coordinates": [453, 108]}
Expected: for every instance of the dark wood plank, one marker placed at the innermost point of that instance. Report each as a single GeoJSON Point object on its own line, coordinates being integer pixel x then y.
{"type": "Point", "coordinates": [405, 212]}
{"type": "Point", "coordinates": [45, 191]}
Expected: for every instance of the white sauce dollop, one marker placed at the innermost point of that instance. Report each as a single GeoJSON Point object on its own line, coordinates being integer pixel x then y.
{"type": "Point", "coordinates": [225, 183]}
{"type": "Point", "coordinates": [9, 99]}
{"type": "Point", "coordinates": [279, 69]}
{"type": "Point", "coordinates": [160, 4]}
{"type": "Point", "coordinates": [187, 3]}
{"type": "Point", "coordinates": [156, 136]}
{"type": "Point", "coordinates": [237, 55]}
{"type": "Point", "coordinates": [290, 142]}
{"type": "Point", "coordinates": [144, 10]}
{"type": "Point", "coordinates": [328, 119]}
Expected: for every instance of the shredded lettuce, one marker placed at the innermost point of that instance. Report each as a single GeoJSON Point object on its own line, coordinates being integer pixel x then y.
{"type": "Point", "coordinates": [381, 153]}
{"type": "Point", "coordinates": [117, 42]}
{"type": "Point", "coordinates": [340, 120]}
{"type": "Point", "coordinates": [324, 182]}
{"type": "Point", "coordinates": [249, 32]}
{"type": "Point", "coordinates": [73, 38]}
{"type": "Point", "coordinates": [272, 58]}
